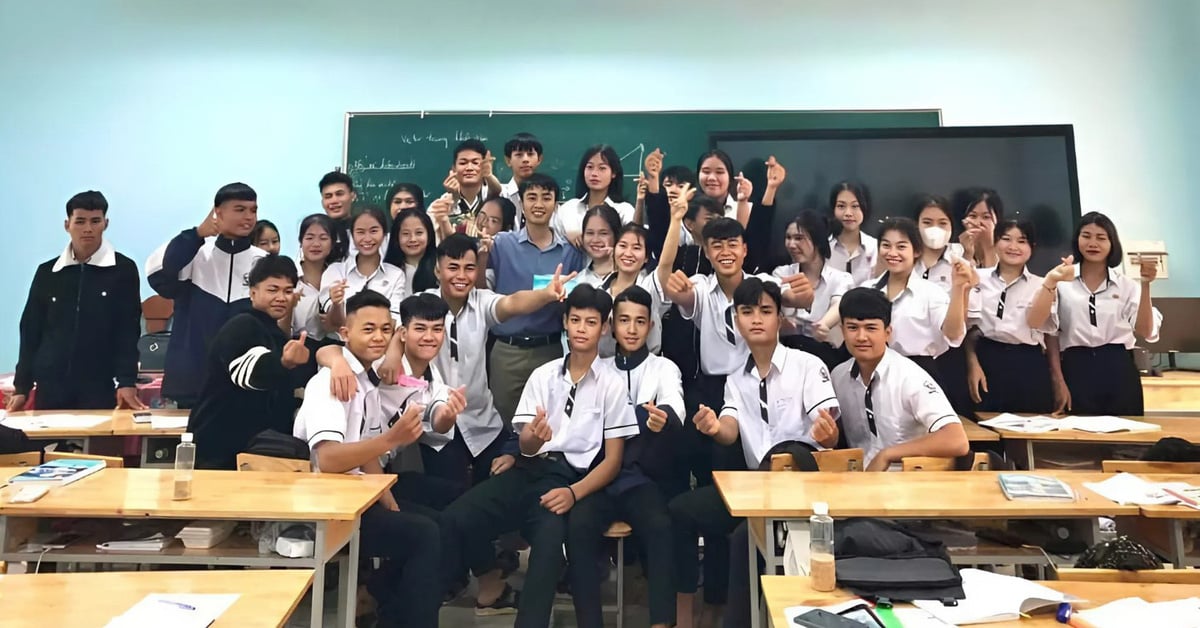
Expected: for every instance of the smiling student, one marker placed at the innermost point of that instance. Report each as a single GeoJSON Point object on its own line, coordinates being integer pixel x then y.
{"type": "Point", "coordinates": [1099, 313]}
{"type": "Point", "coordinates": [890, 406]}
{"type": "Point", "coordinates": [1007, 368]}
{"type": "Point", "coordinates": [600, 180]}
{"type": "Point", "coordinates": [571, 409]}
{"type": "Point", "coordinates": [337, 199]}
{"type": "Point", "coordinates": [412, 247]}
{"type": "Point", "coordinates": [203, 270]}
{"type": "Point", "coordinates": [979, 210]}
{"type": "Point", "coordinates": [815, 329]}
{"type": "Point", "coordinates": [363, 270]}
{"type": "Point", "coordinates": [776, 395]}
{"type": "Point", "coordinates": [466, 181]}
{"type": "Point", "coordinates": [266, 236]}
{"type": "Point", "coordinates": [600, 226]}
{"type": "Point", "coordinates": [852, 250]}
{"type": "Point", "coordinates": [632, 270]}
{"type": "Point", "coordinates": [80, 326]}
{"type": "Point", "coordinates": [523, 154]}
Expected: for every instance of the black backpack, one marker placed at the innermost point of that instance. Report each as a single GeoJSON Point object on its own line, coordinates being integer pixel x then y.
{"type": "Point", "coordinates": [882, 559]}
{"type": "Point", "coordinates": [152, 351]}
{"type": "Point", "coordinates": [14, 441]}
{"type": "Point", "coordinates": [1119, 553]}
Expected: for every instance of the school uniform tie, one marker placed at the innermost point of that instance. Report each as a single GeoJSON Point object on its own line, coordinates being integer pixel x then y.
{"type": "Point", "coordinates": [762, 399]}
{"type": "Point", "coordinates": [1092, 309]}
{"type": "Point", "coordinates": [1000, 307]}
{"type": "Point", "coordinates": [454, 340]}
{"type": "Point", "coordinates": [729, 326]}
{"type": "Point", "coordinates": [570, 400]}
{"type": "Point", "coordinates": [870, 409]}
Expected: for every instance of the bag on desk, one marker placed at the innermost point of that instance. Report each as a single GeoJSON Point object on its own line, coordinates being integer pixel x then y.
{"type": "Point", "coordinates": [14, 441]}
{"type": "Point", "coordinates": [880, 559]}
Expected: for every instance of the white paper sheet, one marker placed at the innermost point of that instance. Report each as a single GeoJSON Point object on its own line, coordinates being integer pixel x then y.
{"type": "Point", "coordinates": [184, 610]}
{"type": "Point", "coordinates": [54, 421]}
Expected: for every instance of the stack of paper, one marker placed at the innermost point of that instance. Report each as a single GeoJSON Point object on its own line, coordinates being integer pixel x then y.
{"type": "Point", "coordinates": [142, 537]}
{"type": "Point", "coordinates": [1133, 611]}
{"type": "Point", "coordinates": [205, 534]}
{"type": "Point", "coordinates": [29, 423]}
{"type": "Point", "coordinates": [1127, 488]}
{"type": "Point", "coordinates": [1039, 424]}
{"type": "Point", "coordinates": [168, 422]}
{"type": "Point", "coordinates": [175, 610]}
{"type": "Point", "coordinates": [993, 598]}
{"type": "Point", "coordinates": [1025, 424]}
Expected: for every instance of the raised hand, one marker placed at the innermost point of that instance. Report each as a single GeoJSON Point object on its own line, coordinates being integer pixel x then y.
{"type": "Point", "coordinates": [679, 204]}
{"type": "Point", "coordinates": [489, 162]}
{"type": "Point", "coordinates": [825, 429]}
{"type": "Point", "coordinates": [485, 242]}
{"type": "Point", "coordinates": [744, 188]}
{"type": "Point", "coordinates": [456, 401]}
{"type": "Point", "coordinates": [337, 292]}
{"type": "Point", "coordinates": [439, 210]}
{"type": "Point", "coordinates": [775, 174]}
{"type": "Point", "coordinates": [558, 283]}
{"type": "Point", "coordinates": [541, 427]}
{"type": "Point", "coordinates": [1064, 271]}
{"type": "Point", "coordinates": [800, 286]}
{"type": "Point", "coordinates": [656, 419]}
{"type": "Point", "coordinates": [1149, 268]}
{"type": "Point", "coordinates": [963, 275]}
{"type": "Point", "coordinates": [295, 352]}
{"type": "Point", "coordinates": [706, 421]}
{"type": "Point", "coordinates": [208, 227]}
{"type": "Point", "coordinates": [451, 184]}
{"type": "Point", "coordinates": [653, 165]}
{"type": "Point", "coordinates": [408, 427]}
{"type": "Point", "coordinates": [678, 283]}
{"type": "Point", "coordinates": [641, 186]}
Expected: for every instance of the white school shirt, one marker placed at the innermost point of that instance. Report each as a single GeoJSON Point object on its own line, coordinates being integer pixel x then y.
{"type": "Point", "coordinates": [942, 271]}
{"type": "Point", "coordinates": [685, 236]}
{"type": "Point", "coordinates": [307, 314]}
{"type": "Point", "coordinates": [569, 216]}
{"type": "Point", "coordinates": [592, 278]}
{"type": "Point", "coordinates": [905, 403]}
{"type": "Point", "coordinates": [650, 378]}
{"type": "Point", "coordinates": [512, 191]}
{"type": "Point", "coordinates": [462, 361]}
{"type": "Point", "coordinates": [323, 418]}
{"type": "Point", "coordinates": [648, 281]}
{"type": "Point", "coordinates": [832, 284]}
{"type": "Point", "coordinates": [722, 349]}
{"type": "Point", "coordinates": [780, 407]}
{"type": "Point", "coordinates": [917, 316]}
{"type": "Point", "coordinates": [998, 308]}
{"type": "Point", "coordinates": [861, 265]}
{"type": "Point", "coordinates": [1115, 306]}
{"type": "Point", "coordinates": [581, 415]}
{"type": "Point", "coordinates": [394, 398]}
{"type": "Point", "coordinates": [386, 280]}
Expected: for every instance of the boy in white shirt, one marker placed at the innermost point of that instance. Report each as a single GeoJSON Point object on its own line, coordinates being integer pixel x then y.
{"type": "Point", "coordinates": [358, 437]}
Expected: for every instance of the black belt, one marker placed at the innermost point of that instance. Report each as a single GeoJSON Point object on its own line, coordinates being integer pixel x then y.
{"type": "Point", "coordinates": [526, 342]}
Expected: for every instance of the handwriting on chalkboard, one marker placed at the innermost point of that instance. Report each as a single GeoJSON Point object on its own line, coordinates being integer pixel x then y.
{"type": "Point", "coordinates": [362, 165]}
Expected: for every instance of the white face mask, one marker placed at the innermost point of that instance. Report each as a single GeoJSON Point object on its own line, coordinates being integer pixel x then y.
{"type": "Point", "coordinates": [935, 237]}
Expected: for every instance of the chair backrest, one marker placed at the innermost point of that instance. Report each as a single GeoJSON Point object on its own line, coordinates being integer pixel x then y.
{"type": "Point", "coordinates": [157, 310]}
{"type": "Point", "coordinates": [114, 462]}
{"type": "Point", "coordinates": [255, 462]}
{"type": "Point", "coordinates": [24, 459]}
{"type": "Point", "coordinates": [932, 463]}
{"type": "Point", "coordinates": [1156, 576]}
{"type": "Point", "coordinates": [1141, 466]}
{"type": "Point", "coordinates": [838, 460]}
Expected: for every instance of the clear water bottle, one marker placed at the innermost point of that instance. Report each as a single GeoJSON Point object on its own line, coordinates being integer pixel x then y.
{"type": "Point", "coordinates": [820, 557]}
{"type": "Point", "coordinates": [185, 463]}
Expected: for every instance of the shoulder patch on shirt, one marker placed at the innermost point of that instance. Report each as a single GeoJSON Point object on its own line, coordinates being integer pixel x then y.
{"type": "Point", "coordinates": [824, 375]}
{"type": "Point", "coordinates": [930, 387]}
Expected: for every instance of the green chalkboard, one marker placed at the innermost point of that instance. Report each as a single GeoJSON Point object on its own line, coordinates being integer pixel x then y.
{"type": "Point", "coordinates": [383, 149]}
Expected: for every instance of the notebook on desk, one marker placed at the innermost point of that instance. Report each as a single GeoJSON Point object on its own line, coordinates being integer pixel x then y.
{"type": "Point", "coordinates": [1040, 424]}
{"type": "Point", "coordinates": [33, 423]}
{"type": "Point", "coordinates": [994, 598]}
{"type": "Point", "coordinates": [1020, 486]}
{"type": "Point", "coordinates": [57, 473]}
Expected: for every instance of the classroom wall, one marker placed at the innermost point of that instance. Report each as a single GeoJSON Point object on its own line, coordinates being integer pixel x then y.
{"type": "Point", "coordinates": [159, 103]}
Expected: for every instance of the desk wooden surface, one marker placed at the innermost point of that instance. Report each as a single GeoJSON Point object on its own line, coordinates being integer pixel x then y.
{"type": "Point", "coordinates": [123, 425]}
{"type": "Point", "coordinates": [922, 495]}
{"type": "Point", "coordinates": [1187, 428]}
{"type": "Point", "coordinates": [1174, 391]}
{"type": "Point", "coordinates": [104, 428]}
{"type": "Point", "coordinates": [783, 592]}
{"type": "Point", "coordinates": [267, 597]}
{"type": "Point", "coordinates": [976, 433]}
{"type": "Point", "coordinates": [235, 495]}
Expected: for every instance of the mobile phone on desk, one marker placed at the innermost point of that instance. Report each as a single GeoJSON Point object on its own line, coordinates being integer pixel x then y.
{"type": "Point", "coordinates": [141, 416]}
{"type": "Point", "coordinates": [859, 616]}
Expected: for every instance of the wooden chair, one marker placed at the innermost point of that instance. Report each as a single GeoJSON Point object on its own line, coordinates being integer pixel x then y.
{"type": "Point", "coordinates": [837, 460]}
{"type": "Point", "coordinates": [931, 463]}
{"type": "Point", "coordinates": [1154, 576]}
{"type": "Point", "coordinates": [255, 462]}
{"type": "Point", "coordinates": [114, 462]}
{"type": "Point", "coordinates": [1140, 466]}
{"type": "Point", "coordinates": [25, 459]}
{"type": "Point", "coordinates": [620, 530]}
{"type": "Point", "coordinates": [157, 311]}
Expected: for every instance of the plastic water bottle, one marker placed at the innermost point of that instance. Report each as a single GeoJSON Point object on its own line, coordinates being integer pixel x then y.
{"type": "Point", "coordinates": [185, 463]}
{"type": "Point", "coordinates": [820, 558]}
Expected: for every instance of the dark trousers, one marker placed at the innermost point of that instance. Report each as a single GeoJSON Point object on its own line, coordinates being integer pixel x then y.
{"type": "Point", "coordinates": [951, 375]}
{"type": "Point", "coordinates": [737, 610]}
{"type": "Point", "coordinates": [413, 488]}
{"type": "Point", "coordinates": [1103, 380]}
{"type": "Point", "coordinates": [456, 466]}
{"type": "Point", "coordinates": [411, 542]}
{"type": "Point", "coordinates": [509, 369]}
{"type": "Point", "coordinates": [645, 510]}
{"type": "Point", "coordinates": [75, 396]}
{"type": "Point", "coordinates": [510, 502]}
{"type": "Point", "coordinates": [702, 513]}
{"type": "Point", "coordinates": [830, 355]}
{"type": "Point", "coordinates": [1018, 378]}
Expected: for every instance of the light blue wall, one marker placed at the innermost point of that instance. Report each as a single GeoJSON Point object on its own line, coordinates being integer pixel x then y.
{"type": "Point", "coordinates": [158, 102]}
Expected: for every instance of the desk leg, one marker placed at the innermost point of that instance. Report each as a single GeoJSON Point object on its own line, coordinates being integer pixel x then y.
{"type": "Point", "coordinates": [1178, 555]}
{"type": "Point", "coordinates": [1029, 453]}
{"type": "Point", "coordinates": [348, 607]}
{"type": "Point", "coordinates": [752, 556]}
{"type": "Point", "coordinates": [317, 612]}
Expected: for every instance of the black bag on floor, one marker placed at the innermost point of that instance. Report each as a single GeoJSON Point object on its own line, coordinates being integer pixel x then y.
{"type": "Point", "coordinates": [881, 559]}
{"type": "Point", "coordinates": [1119, 553]}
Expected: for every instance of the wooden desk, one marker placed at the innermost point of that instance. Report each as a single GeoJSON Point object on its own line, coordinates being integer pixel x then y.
{"type": "Point", "coordinates": [1187, 428]}
{"type": "Point", "coordinates": [925, 495]}
{"type": "Point", "coordinates": [782, 592]}
{"type": "Point", "coordinates": [267, 598]}
{"type": "Point", "coordinates": [1175, 391]}
{"type": "Point", "coordinates": [83, 434]}
{"type": "Point", "coordinates": [123, 425]}
{"type": "Point", "coordinates": [977, 433]}
{"type": "Point", "coordinates": [334, 503]}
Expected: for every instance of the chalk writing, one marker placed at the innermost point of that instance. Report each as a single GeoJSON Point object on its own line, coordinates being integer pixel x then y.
{"type": "Point", "coordinates": [361, 165]}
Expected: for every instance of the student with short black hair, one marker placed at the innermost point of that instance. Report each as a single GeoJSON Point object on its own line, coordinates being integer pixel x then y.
{"type": "Point", "coordinates": [365, 269]}
{"type": "Point", "coordinates": [470, 169]}
{"type": "Point", "coordinates": [359, 436]}
{"type": "Point", "coordinates": [816, 329]}
{"type": "Point", "coordinates": [853, 250]}
{"type": "Point", "coordinates": [266, 236]}
{"type": "Point", "coordinates": [572, 420]}
{"type": "Point", "coordinates": [337, 199]}
{"type": "Point", "coordinates": [891, 407]}
{"type": "Point", "coordinates": [599, 181]}
{"type": "Point", "coordinates": [648, 476]}
{"type": "Point", "coordinates": [412, 246]}
{"type": "Point", "coordinates": [519, 259]}
{"type": "Point", "coordinates": [523, 154]}
{"type": "Point", "coordinates": [247, 387]}
{"type": "Point", "coordinates": [776, 395]}
{"type": "Point", "coordinates": [1099, 314]}
{"type": "Point", "coordinates": [203, 270]}
{"type": "Point", "coordinates": [80, 326]}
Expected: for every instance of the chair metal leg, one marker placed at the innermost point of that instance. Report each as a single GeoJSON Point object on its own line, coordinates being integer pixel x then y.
{"type": "Point", "coordinates": [620, 583]}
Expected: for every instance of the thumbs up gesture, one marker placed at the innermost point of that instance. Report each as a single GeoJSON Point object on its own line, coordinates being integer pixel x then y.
{"type": "Point", "coordinates": [295, 352]}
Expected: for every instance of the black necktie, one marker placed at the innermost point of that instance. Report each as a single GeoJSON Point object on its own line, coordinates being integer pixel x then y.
{"type": "Point", "coordinates": [762, 399]}
{"type": "Point", "coordinates": [729, 326]}
{"type": "Point", "coordinates": [454, 340]}
{"type": "Point", "coordinates": [870, 409]}
{"type": "Point", "coordinates": [925, 275]}
{"type": "Point", "coordinates": [848, 263]}
{"type": "Point", "coordinates": [1000, 307]}
{"type": "Point", "coordinates": [1092, 309]}
{"type": "Point", "coordinates": [570, 401]}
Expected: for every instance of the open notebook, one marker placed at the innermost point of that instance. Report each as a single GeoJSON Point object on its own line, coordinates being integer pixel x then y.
{"type": "Point", "coordinates": [1039, 424]}
{"type": "Point", "coordinates": [993, 598]}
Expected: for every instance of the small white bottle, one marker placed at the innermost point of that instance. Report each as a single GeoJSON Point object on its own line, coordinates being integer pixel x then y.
{"type": "Point", "coordinates": [820, 560]}
{"type": "Point", "coordinates": [185, 463]}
